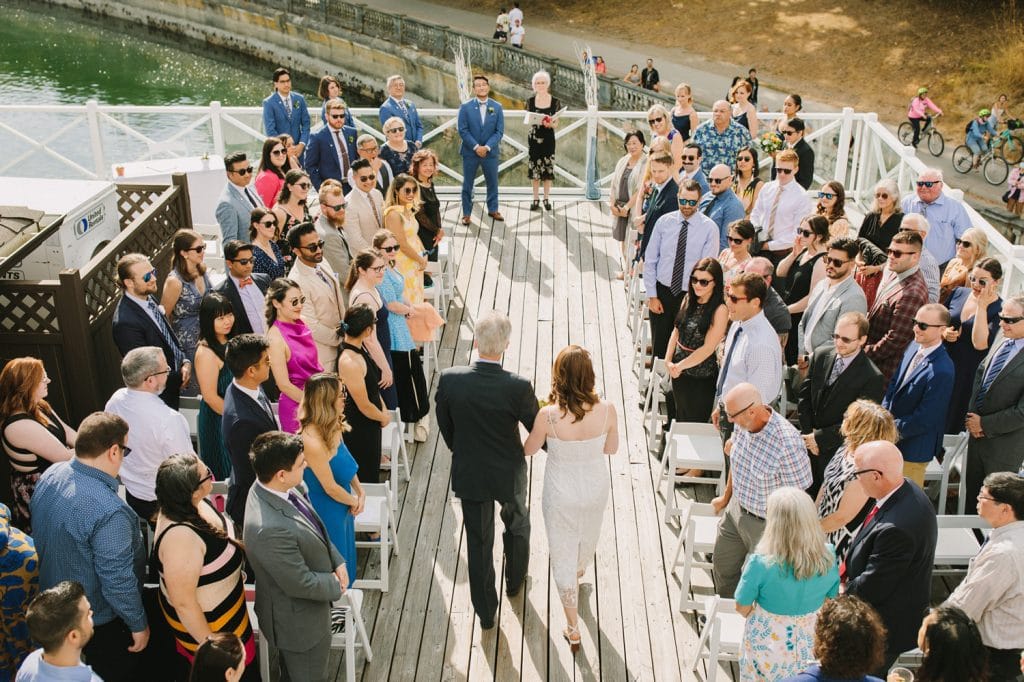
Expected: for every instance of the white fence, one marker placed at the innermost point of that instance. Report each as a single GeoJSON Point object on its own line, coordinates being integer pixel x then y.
{"type": "Point", "coordinates": [88, 141]}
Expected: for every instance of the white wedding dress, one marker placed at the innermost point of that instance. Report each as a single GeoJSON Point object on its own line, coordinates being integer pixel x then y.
{"type": "Point", "coordinates": [575, 495]}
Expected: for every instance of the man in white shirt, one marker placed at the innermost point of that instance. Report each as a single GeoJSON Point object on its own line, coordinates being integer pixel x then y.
{"type": "Point", "coordinates": [780, 207]}
{"type": "Point", "coordinates": [155, 431]}
{"type": "Point", "coordinates": [245, 289]}
{"type": "Point", "coordinates": [514, 14]}
{"type": "Point", "coordinates": [367, 148]}
{"type": "Point", "coordinates": [915, 222]}
{"type": "Point", "coordinates": [364, 212]}
{"type": "Point", "coordinates": [324, 306]}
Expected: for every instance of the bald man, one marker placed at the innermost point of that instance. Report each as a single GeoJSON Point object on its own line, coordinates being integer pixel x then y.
{"type": "Point", "coordinates": [767, 453]}
{"type": "Point", "coordinates": [889, 563]}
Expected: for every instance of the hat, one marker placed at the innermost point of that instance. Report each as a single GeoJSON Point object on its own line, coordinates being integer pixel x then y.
{"type": "Point", "coordinates": [922, 91]}
{"type": "Point", "coordinates": [984, 112]}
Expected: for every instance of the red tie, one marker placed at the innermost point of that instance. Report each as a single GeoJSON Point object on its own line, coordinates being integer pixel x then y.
{"type": "Point", "coordinates": [867, 520]}
{"type": "Point", "coordinates": [245, 282]}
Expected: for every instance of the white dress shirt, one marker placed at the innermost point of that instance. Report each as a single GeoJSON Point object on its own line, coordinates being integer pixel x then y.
{"type": "Point", "coordinates": [756, 359]}
{"type": "Point", "coordinates": [794, 206]}
{"type": "Point", "coordinates": [155, 432]}
{"type": "Point", "coordinates": [254, 303]}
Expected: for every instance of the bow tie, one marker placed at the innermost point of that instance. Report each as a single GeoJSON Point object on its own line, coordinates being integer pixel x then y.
{"type": "Point", "coordinates": [245, 282]}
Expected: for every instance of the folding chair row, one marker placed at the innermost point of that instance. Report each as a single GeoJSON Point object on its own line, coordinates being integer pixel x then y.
{"type": "Point", "coordinates": [690, 445]}
{"type": "Point", "coordinates": [377, 517]}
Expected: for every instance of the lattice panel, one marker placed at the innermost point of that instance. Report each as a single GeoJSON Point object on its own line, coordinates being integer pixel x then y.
{"type": "Point", "coordinates": [28, 312]}
{"type": "Point", "coordinates": [132, 201]}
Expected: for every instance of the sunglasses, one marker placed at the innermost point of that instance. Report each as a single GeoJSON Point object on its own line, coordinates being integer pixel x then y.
{"type": "Point", "coordinates": [736, 299]}
{"type": "Point", "coordinates": [198, 249]}
{"type": "Point", "coordinates": [687, 202]}
{"type": "Point", "coordinates": [336, 207]}
{"type": "Point", "coordinates": [924, 325]}
{"type": "Point", "coordinates": [337, 116]}
{"type": "Point", "coordinates": [826, 195]}
{"type": "Point", "coordinates": [702, 281]}
{"type": "Point", "coordinates": [125, 450]}
{"type": "Point", "coordinates": [366, 178]}
{"type": "Point", "coordinates": [391, 249]}
{"type": "Point", "coordinates": [744, 158]}
{"type": "Point", "coordinates": [900, 254]}
{"type": "Point", "coordinates": [315, 246]}
{"type": "Point", "coordinates": [1009, 320]}
{"type": "Point", "coordinates": [243, 171]}
{"type": "Point", "coordinates": [719, 181]}
{"type": "Point", "coordinates": [836, 262]}
{"type": "Point", "coordinates": [689, 158]}
{"type": "Point", "coordinates": [268, 223]}
{"type": "Point", "coordinates": [978, 280]}
{"type": "Point", "coordinates": [659, 119]}
{"type": "Point", "coordinates": [927, 183]}
{"type": "Point", "coordinates": [735, 240]}
{"type": "Point", "coordinates": [788, 132]}
{"type": "Point", "coordinates": [805, 233]}
{"type": "Point", "coordinates": [408, 190]}
{"type": "Point", "coordinates": [297, 301]}
{"type": "Point", "coordinates": [963, 243]}
{"type": "Point", "coordinates": [149, 276]}
{"type": "Point", "coordinates": [303, 185]}
{"type": "Point", "coordinates": [881, 195]}
{"type": "Point", "coordinates": [278, 152]}
{"type": "Point", "coordinates": [395, 130]}
{"type": "Point", "coordinates": [784, 171]}
{"type": "Point", "coordinates": [241, 261]}
{"type": "Point", "coordinates": [739, 412]}
{"type": "Point", "coordinates": [838, 337]}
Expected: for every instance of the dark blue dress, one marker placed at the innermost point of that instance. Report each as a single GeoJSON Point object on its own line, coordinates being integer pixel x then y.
{"type": "Point", "coordinates": [337, 517]}
{"type": "Point", "coordinates": [965, 357]}
{"type": "Point", "coordinates": [271, 267]}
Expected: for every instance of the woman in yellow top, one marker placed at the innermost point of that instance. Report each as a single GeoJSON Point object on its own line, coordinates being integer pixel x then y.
{"type": "Point", "coordinates": [400, 208]}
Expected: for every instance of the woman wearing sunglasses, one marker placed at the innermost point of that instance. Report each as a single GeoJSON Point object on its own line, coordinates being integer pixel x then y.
{"type": "Point", "coordinates": [184, 288]}
{"type": "Point", "coordinates": [293, 353]}
{"type": "Point", "coordinates": [801, 271]}
{"type": "Point", "coordinates": [400, 209]}
{"type": "Point", "coordinates": [884, 219]}
{"type": "Point", "coordinates": [661, 128]}
{"type": "Point", "coordinates": [264, 235]}
{"type": "Point", "coordinates": [364, 276]}
{"type": "Point", "coordinates": [273, 166]}
{"type": "Point", "coordinates": [291, 208]}
{"type": "Point", "coordinates": [397, 151]}
{"type": "Point", "coordinates": [970, 248]}
{"type": "Point", "coordinates": [748, 183]}
{"type": "Point", "coordinates": [832, 205]}
{"type": "Point", "coordinates": [737, 250]}
{"type": "Point", "coordinates": [974, 321]}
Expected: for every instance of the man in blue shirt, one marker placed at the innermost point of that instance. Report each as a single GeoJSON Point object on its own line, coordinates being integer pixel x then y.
{"type": "Point", "coordinates": [86, 533]}
{"type": "Point", "coordinates": [692, 167]}
{"type": "Point", "coordinates": [59, 619]}
{"type": "Point", "coordinates": [947, 217]}
{"type": "Point", "coordinates": [721, 204]}
{"type": "Point", "coordinates": [285, 111]}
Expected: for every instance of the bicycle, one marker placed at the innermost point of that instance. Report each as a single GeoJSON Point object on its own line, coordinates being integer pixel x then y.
{"type": "Point", "coordinates": [929, 133]}
{"type": "Point", "coordinates": [1009, 147]}
{"type": "Point", "coordinates": [993, 168]}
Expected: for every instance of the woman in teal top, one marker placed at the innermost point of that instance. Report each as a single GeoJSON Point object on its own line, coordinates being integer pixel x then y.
{"type": "Point", "coordinates": [216, 318]}
{"type": "Point", "coordinates": [784, 583]}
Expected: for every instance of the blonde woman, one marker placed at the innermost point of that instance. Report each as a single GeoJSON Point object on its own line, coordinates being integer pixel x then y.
{"type": "Point", "coordinates": [743, 112]}
{"type": "Point", "coordinates": [970, 248]}
{"type": "Point", "coordinates": [784, 583]}
{"type": "Point", "coordinates": [661, 128]}
{"type": "Point", "coordinates": [397, 152]}
{"type": "Point", "coordinates": [684, 117]}
{"type": "Point", "coordinates": [330, 476]}
{"type": "Point", "coordinates": [400, 207]}
{"type": "Point", "coordinates": [841, 499]}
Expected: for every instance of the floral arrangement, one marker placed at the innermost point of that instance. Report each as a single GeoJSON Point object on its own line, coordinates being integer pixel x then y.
{"type": "Point", "coordinates": [770, 143]}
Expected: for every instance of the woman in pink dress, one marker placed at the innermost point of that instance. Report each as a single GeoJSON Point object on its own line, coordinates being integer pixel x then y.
{"type": "Point", "coordinates": [293, 357]}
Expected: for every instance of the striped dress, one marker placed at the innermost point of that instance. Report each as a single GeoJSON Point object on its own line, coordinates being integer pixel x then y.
{"type": "Point", "coordinates": [221, 593]}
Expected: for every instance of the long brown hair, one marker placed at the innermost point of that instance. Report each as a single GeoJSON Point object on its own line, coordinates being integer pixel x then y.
{"type": "Point", "coordinates": [317, 411]}
{"type": "Point", "coordinates": [572, 382]}
{"type": "Point", "coordinates": [18, 381]}
{"type": "Point", "coordinates": [183, 241]}
{"type": "Point", "coordinates": [177, 478]}
{"type": "Point", "coordinates": [363, 261]}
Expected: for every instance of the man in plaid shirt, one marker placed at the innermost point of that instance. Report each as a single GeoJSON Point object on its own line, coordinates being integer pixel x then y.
{"type": "Point", "coordinates": [767, 453]}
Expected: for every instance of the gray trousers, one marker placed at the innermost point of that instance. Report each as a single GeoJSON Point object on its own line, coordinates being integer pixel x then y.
{"type": "Point", "coordinates": [738, 534]}
{"type": "Point", "coordinates": [307, 666]}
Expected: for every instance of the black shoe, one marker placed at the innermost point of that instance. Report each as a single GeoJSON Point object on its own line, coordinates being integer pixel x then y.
{"type": "Point", "coordinates": [512, 592]}
{"type": "Point", "coordinates": [486, 624]}
{"type": "Point", "coordinates": [547, 205]}
{"type": "Point", "coordinates": [535, 206]}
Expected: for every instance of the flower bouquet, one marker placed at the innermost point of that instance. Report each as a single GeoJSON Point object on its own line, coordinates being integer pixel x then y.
{"type": "Point", "coordinates": [770, 142]}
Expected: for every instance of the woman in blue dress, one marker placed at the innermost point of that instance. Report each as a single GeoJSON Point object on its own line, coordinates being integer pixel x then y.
{"type": "Point", "coordinates": [334, 488]}
{"type": "Point", "coordinates": [974, 321]}
{"type": "Point", "coordinates": [184, 288]}
{"type": "Point", "coordinates": [216, 318]}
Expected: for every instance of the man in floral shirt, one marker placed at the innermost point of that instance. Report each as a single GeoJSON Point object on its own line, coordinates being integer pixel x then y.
{"type": "Point", "coordinates": [720, 138]}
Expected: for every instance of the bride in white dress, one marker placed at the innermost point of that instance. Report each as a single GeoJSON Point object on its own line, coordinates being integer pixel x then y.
{"type": "Point", "coordinates": [580, 430]}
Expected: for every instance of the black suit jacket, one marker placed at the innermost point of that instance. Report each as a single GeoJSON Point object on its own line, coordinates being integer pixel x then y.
{"type": "Point", "coordinates": [244, 419]}
{"type": "Point", "coordinates": [666, 202]}
{"type": "Point", "coordinates": [889, 564]}
{"type": "Point", "coordinates": [228, 288]}
{"type": "Point", "coordinates": [478, 411]}
{"type": "Point", "coordinates": [805, 171]}
{"type": "Point", "coordinates": [134, 328]}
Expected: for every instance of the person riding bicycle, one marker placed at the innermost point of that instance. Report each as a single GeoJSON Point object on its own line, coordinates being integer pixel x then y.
{"type": "Point", "coordinates": [979, 132]}
{"type": "Point", "coordinates": [918, 110]}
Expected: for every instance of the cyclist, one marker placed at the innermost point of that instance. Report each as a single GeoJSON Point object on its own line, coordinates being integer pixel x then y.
{"type": "Point", "coordinates": [918, 110]}
{"type": "Point", "coordinates": [979, 132]}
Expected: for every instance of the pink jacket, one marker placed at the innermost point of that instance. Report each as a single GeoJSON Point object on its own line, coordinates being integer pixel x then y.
{"type": "Point", "coordinates": [919, 105]}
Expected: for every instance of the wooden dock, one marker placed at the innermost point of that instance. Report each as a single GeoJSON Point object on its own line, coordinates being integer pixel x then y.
{"type": "Point", "coordinates": [553, 274]}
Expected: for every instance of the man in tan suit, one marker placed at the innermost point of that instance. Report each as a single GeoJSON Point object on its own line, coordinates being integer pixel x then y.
{"type": "Point", "coordinates": [324, 305]}
{"type": "Point", "coordinates": [365, 208]}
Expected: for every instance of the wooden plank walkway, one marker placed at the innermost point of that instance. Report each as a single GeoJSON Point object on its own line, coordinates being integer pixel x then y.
{"type": "Point", "coordinates": [552, 273]}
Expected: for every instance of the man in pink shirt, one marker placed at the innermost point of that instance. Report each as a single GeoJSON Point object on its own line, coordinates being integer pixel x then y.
{"type": "Point", "coordinates": [918, 110]}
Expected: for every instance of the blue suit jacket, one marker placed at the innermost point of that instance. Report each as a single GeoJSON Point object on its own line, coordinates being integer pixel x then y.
{"type": "Point", "coordinates": [666, 202]}
{"type": "Point", "coordinates": [233, 213]}
{"type": "Point", "coordinates": [243, 420]}
{"type": "Point", "coordinates": [277, 122]}
{"type": "Point", "coordinates": [133, 328]}
{"type": "Point", "coordinates": [488, 133]}
{"type": "Point", "coordinates": [727, 209]}
{"type": "Point", "coordinates": [919, 405]}
{"type": "Point", "coordinates": [322, 155]}
{"type": "Point", "coordinates": [413, 127]}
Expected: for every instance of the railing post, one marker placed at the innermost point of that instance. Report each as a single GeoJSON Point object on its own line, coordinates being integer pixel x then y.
{"type": "Point", "coordinates": [92, 115]}
{"type": "Point", "coordinates": [215, 127]}
{"type": "Point", "coordinates": [867, 142]}
{"type": "Point", "coordinates": [76, 347]}
{"type": "Point", "coordinates": [843, 152]}
{"type": "Point", "coordinates": [593, 191]}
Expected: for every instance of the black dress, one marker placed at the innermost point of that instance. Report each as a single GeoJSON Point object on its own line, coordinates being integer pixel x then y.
{"type": "Point", "coordinates": [682, 124]}
{"type": "Point", "coordinates": [429, 219]}
{"type": "Point", "coordinates": [26, 466]}
{"type": "Point", "coordinates": [798, 285]}
{"type": "Point", "coordinates": [364, 440]}
{"type": "Point", "coordinates": [694, 389]}
{"type": "Point", "coordinates": [542, 142]}
{"type": "Point", "coordinates": [877, 232]}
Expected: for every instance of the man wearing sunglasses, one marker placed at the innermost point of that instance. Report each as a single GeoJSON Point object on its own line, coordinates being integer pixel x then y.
{"type": "Point", "coordinates": [721, 204]}
{"type": "Point", "coordinates": [833, 296]}
{"type": "Point", "coordinates": [367, 148]}
{"type": "Point", "coordinates": [679, 240]}
{"type": "Point", "coordinates": [995, 414]}
{"type": "Point", "coordinates": [918, 395]}
{"type": "Point", "coordinates": [324, 306]}
{"type": "Point", "coordinates": [244, 288]}
{"type": "Point", "coordinates": [364, 207]}
{"type": "Point", "coordinates": [916, 222]}
{"type": "Point", "coordinates": [780, 207]}
{"type": "Point", "coordinates": [691, 169]}
{"type": "Point", "coordinates": [237, 200]}
{"type": "Point", "coordinates": [140, 321]}
{"type": "Point", "coordinates": [397, 105]}
{"type": "Point", "coordinates": [332, 149]}
{"type": "Point", "coordinates": [330, 226]}
{"type": "Point", "coordinates": [901, 293]}
{"type": "Point", "coordinates": [947, 216]}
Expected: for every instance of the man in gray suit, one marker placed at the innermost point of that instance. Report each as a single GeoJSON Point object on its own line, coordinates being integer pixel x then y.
{"type": "Point", "coordinates": [995, 416]}
{"type": "Point", "coordinates": [237, 201]}
{"type": "Point", "coordinates": [835, 295]}
{"type": "Point", "coordinates": [299, 573]}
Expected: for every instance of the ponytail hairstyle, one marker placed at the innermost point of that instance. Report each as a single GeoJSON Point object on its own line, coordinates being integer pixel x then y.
{"type": "Point", "coordinates": [363, 261]}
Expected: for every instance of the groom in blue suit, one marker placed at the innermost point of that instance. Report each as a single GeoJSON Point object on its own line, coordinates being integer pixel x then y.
{"type": "Point", "coordinates": [332, 149]}
{"type": "Point", "coordinates": [481, 125]}
{"type": "Point", "coordinates": [285, 112]}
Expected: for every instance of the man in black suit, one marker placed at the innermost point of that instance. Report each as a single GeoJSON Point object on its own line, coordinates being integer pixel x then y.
{"type": "Point", "coordinates": [139, 321]}
{"type": "Point", "coordinates": [663, 200]}
{"type": "Point", "coordinates": [837, 375]}
{"type": "Point", "coordinates": [248, 303]}
{"type": "Point", "coordinates": [247, 414]}
{"type": "Point", "coordinates": [889, 563]}
{"type": "Point", "coordinates": [478, 411]}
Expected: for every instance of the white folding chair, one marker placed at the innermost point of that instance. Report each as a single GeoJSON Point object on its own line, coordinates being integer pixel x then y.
{"type": "Point", "coordinates": [189, 408]}
{"type": "Point", "coordinates": [447, 273]}
{"type": "Point", "coordinates": [654, 399]}
{"type": "Point", "coordinates": [957, 544]}
{"type": "Point", "coordinates": [435, 292]}
{"type": "Point", "coordinates": [697, 534]}
{"type": "Point", "coordinates": [353, 634]}
{"type": "Point", "coordinates": [722, 636]}
{"type": "Point", "coordinates": [690, 445]}
{"type": "Point", "coordinates": [955, 446]}
{"type": "Point", "coordinates": [393, 445]}
{"type": "Point", "coordinates": [376, 517]}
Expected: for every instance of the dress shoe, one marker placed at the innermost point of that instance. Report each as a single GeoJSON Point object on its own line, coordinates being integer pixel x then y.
{"type": "Point", "coordinates": [465, 220]}
{"type": "Point", "coordinates": [497, 216]}
{"type": "Point", "coordinates": [512, 592]}
{"type": "Point", "coordinates": [486, 624]}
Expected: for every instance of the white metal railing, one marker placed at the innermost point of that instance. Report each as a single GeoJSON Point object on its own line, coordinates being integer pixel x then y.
{"type": "Point", "coordinates": [50, 141]}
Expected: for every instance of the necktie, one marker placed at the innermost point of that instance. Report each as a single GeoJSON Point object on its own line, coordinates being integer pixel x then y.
{"type": "Point", "coordinates": [837, 369]}
{"type": "Point", "coordinates": [245, 282]}
{"type": "Point", "coordinates": [265, 404]}
{"type": "Point", "coordinates": [167, 334]}
{"type": "Point", "coordinates": [725, 365]}
{"type": "Point", "coordinates": [653, 200]}
{"type": "Point", "coordinates": [376, 214]}
{"type": "Point", "coordinates": [771, 215]}
{"type": "Point", "coordinates": [998, 362]}
{"type": "Point", "coordinates": [914, 362]}
{"type": "Point", "coordinates": [867, 520]}
{"type": "Point", "coordinates": [288, 108]}
{"type": "Point", "coordinates": [342, 153]}
{"type": "Point", "coordinates": [252, 199]}
{"type": "Point", "coordinates": [405, 109]}
{"type": "Point", "coordinates": [300, 505]}
{"type": "Point", "coordinates": [679, 266]}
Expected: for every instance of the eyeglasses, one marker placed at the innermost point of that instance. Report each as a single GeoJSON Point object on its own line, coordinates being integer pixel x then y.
{"type": "Point", "coordinates": [963, 243]}
{"type": "Point", "coordinates": [687, 202]}
{"type": "Point", "coordinates": [739, 412]}
{"type": "Point", "coordinates": [337, 116]}
{"type": "Point", "coordinates": [805, 233]}
{"type": "Point", "coordinates": [895, 253]}
{"type": "Point", "coordinates": [242, 171]}
{"type": "Point", "coordinates": [924, 325]}
{"type": "Point", "coordinates": [735, 240]}
{"type": "Point", "coordinates": [736, 299]}
{"type": "Point", "coordinates": [744, 158]}
{"type": "Point", "coordinates": [784, 171]}
{"type": "Point", "coordinates": [336, 207]}
{"type": "Point", "coordinates": [787, 132]}
{"type": "Point", "coordinates": [928, 183]}
{"type": "Point", "coordinates": [369, 150]}
{"type": "Point", "coordinates": [149, 276]}
{"type": "Point", "coordinates": [1009, 320]}
{"type": "Point", "coordinates": [836, 262]}
{"type": "Point", "coordinates": [826, 195]}
{"type": "Point", "coordinates": [125, 450]}
{"type": "Point", "coordinates": [396, 130]}
{"type": "Point", "coordinates": [689, 158]}
{"type": "Point", "coordinates": [303, 185]}
{"type": "Point", "coordinates": [391, 249]}
{"type": "Point", "coordinates": [719, 181]}
{"type": "Point", "coordinates": [838, 337]}
{"type": "Point", "coordinates": [378, 268]}
{"type": "Point", "coordinates": [241, 261]}
{"type": "Point", "coordinates": [989, 498]}
{"type": "Point", "coordinates": [408, 190]}
{"type": "Point", "coordinates": [297, 301]}
{"type": "Point", "coordinates": [977, 280]}
{"type": "Point", "coordinates": [701, 281]}
{"type": "Point", "coordinates": [315, 246]}
{"type": "Point", "coordinates": [881, 195]}
{"type": "Point", "coordinates": [366, 178]}
{"type": "Point", "coordinates": [277, 152]}
{"type": "Point", "coordinates": [156, 374]}
{"type": "Point", "coordinates": [198, 249]}
{"type": "Point", "coordinates": [207, 477]}
{"type": "Point", "coordinates": [856, 474]}
{"type": "Point", "coordinates": [268, 223]}
{"type": "Point", "coordinates": [659, 119]}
